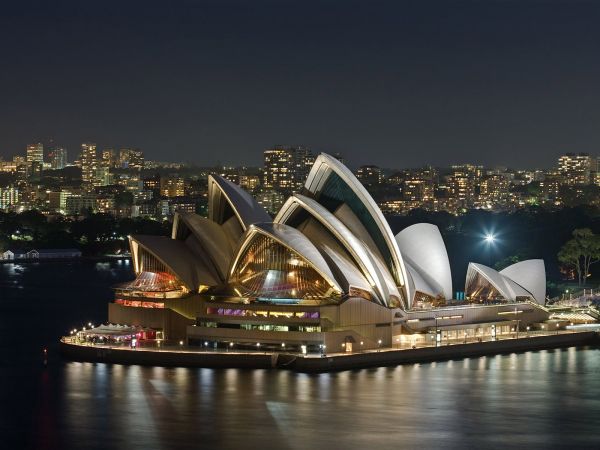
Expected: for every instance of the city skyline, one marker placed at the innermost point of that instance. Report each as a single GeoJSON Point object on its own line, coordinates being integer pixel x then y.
{"type": "Point", "coordinates": [397, 84]}
{"type": "Point", "coordinates": [257, 157]}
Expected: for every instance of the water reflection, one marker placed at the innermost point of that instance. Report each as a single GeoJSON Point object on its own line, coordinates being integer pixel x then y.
{"type": "Point", "coordinates": [535, 399]}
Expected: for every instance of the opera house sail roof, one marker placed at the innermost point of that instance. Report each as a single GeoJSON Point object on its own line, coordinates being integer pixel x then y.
{"type": "Point", "coordinates": [426, 258]}
{"type": "Point", "coordinates": [523, 280]}
{"type": "Point", "coordinates": [335, 187]}
{"type": "Point", "coordinates": [326, 244]}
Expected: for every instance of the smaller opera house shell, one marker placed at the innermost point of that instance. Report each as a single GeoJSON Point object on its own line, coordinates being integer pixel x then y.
{"type": "Point", "coordinates": [327, 270]}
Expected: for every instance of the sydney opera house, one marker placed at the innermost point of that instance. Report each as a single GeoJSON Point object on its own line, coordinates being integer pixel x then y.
{"type": "Point", "coordinates": [326, 272]}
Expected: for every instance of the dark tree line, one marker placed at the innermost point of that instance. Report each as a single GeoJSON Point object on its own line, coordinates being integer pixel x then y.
{"type": "Point", "coordinates": [96, 234]}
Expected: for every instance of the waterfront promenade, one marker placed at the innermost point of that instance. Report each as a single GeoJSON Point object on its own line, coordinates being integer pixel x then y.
{"type": "Point", "coordinates": [179, 355]}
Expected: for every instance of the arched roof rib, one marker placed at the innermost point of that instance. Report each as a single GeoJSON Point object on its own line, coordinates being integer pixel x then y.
{"type": "Point", "coordinates": [224, 195]}
{"type": "Point", "coordinates": [333, 184]}
{"type": "Point", "coordinates": [380, 281]}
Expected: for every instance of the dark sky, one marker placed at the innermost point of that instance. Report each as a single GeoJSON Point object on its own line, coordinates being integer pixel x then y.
{"type": "Point", "coordinates": [397, 83]}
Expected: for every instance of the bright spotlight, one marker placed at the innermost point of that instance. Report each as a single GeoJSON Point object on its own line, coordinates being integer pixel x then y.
{"type": "Point", "coordinates": [490, 238]}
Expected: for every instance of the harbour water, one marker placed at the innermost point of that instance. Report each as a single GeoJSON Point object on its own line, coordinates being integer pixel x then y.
{"type": "Point", "coordinates": [543, 399]}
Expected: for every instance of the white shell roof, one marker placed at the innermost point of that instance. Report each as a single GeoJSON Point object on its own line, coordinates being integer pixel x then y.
{"type": "Point", "coordinates": [325, 164]}
{"type": "Point", "coordinates": [531, 275]}
{"type": "Point", "coordinates": [507, 287]}
{"type": "Point", "coordinates": [423, 249]}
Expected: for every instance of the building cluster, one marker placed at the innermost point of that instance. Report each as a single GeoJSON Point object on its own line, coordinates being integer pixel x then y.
{"type": "Point", "coordinates": [122, 183]}
{"type": "Point", "coordinates": [118, 182]}
{"type": "Point", "coordinates": [575, 180]}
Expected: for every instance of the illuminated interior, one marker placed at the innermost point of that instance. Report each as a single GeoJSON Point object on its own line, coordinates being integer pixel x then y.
{"type": "Point", "coordinates": [154, 280]}
{"type": "Point", "coordinates": [480, 290]}
{"type": "Point", "coordinates": [268, 269]}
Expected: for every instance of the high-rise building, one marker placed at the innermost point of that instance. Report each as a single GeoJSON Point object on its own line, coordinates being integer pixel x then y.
{"type": "Point", "coordinates": [103, 177]}
{"type": "Point", "coordinates": [35, 153]}
{"type": "Point", "coordinates": [286, 168]}
{"type": "Point", "coordinates": [136, 160]}
{"type": "Point", "coordinates": [270, 199]}
{"type": "Point", "coordinates": [303, 161]}
{"type": "Point", "coordinates": [577, 168]}
{"type": "Point", "coordinates": [249, 182]}
{"type": "Point", "coordinates": [152, 183]}
{"type": "Point", "coordinates": [89, 164]}
{"type": "Point", "coordinates": [419, 188]}
{"type": "Point", "coordinates": [369, 175]}
{"type": "Point", "coordinates": [109, 159]}
{"type": "Point", "coordinates": [464, 182]}
{"type": "Point", "coordinates": [550, 188]}
{"type": "Point", "coordinates": [58, 157]}
{"type": "Point", "coordinates": [493, 191]}
{"type": "Point", "coordinates": [130, 158]}
{"type": "Point", "coordinates": [9, 197]}
{"type": "Point", "coordinates": [172, 186]}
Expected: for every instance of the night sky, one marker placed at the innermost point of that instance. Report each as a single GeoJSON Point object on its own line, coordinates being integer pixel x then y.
{"type": "Point", "coordinates": [398, 83]}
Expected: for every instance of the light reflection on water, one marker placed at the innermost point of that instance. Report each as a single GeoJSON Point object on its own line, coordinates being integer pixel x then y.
{"type": "Point", "coordinates": [534, 400]}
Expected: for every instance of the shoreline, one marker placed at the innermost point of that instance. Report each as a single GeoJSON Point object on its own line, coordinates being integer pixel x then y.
{"type": "Point", "coordinates": [318, 364]}
{"type": "Point", "coordinates": [104, 258]}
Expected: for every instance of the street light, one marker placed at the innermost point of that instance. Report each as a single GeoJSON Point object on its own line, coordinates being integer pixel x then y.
{"type": "Point", "coordinates": [490, 238]}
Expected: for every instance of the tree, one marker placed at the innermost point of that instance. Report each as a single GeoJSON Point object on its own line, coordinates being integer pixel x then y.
{"type": "Point", "coordinates": [581, 252]}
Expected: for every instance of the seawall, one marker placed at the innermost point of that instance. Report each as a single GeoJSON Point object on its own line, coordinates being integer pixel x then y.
{"type": "Point", "coordinates": [315, 364]}
{"type": "Point", "coordinates": [166, 358]}
{"type": "Point", "coordinates": [429, 354]}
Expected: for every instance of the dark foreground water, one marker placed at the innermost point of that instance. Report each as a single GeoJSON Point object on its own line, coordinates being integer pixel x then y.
{"type": "Point", "coordinates": [546, 399]}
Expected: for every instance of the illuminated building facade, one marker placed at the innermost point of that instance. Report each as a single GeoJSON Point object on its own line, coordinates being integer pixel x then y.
{"type": "Point", "coordinates": [325, 271]}
{"type": "Point", "coordinates": [172, 186]}
{"type": "Point", "coordinates": [89, 164]}
{"type": "Point", "coordinates": [58, 158]}
{"type": "Point", "coordinates": [577, 169]}
{"type": "Point", "coordinates": [286, 168]}
{"type": "Point", "coordinates": [35, 153]}
{"type": "Point", "coordinates": [369, 175]}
